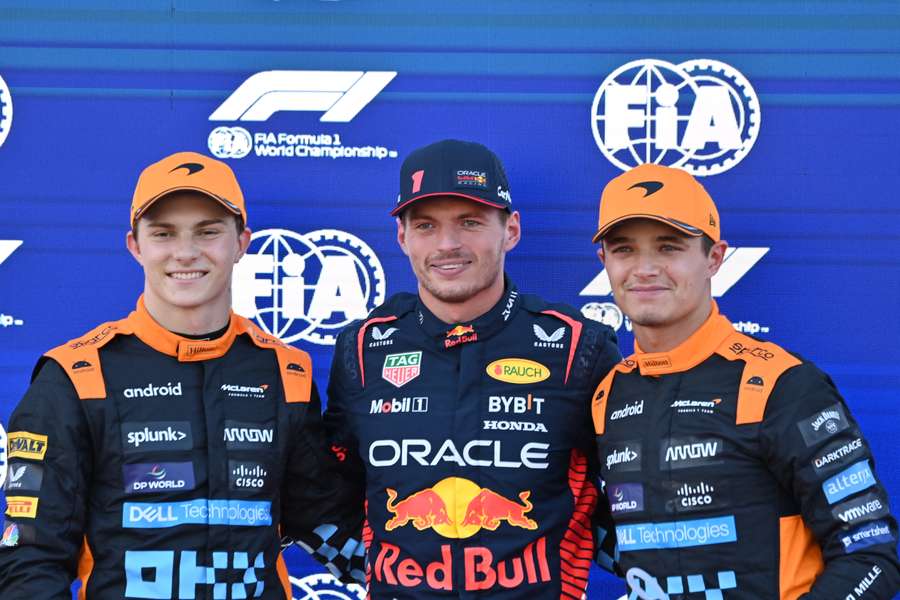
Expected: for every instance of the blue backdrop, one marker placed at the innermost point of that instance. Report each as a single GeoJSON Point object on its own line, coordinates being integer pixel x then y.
{"type": "Point", "coordinates": [94, 91]}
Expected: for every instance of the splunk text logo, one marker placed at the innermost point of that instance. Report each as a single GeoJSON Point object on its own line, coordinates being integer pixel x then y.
{"type": "Point", "coordinates": [307, 286]}
{"type": "Point", "coordinates": [701, 115]}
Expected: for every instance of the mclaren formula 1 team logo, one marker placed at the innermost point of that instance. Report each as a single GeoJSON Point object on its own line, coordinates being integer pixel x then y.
{"type": "Point", "coordinates": [307, 286]}
{"type": "Point", "coordinates": [701, 115]}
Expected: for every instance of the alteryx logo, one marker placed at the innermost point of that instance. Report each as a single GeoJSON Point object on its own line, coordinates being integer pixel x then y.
{"type": "Point", "coordinates": [160, 515]}
{"type": "Point", "coordinates": [680, 534]}
{"type": "Point", "coordinates": [849, 481]}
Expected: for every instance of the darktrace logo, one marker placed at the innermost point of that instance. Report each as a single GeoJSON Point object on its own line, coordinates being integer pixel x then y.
{"type": "Point", "coordinates": [649, 187]}
{"type": "Point", "coordinates": [190, 167]}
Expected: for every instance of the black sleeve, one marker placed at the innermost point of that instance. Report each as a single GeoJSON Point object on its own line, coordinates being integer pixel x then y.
{"type": "Point", "coordinates": [606, 356]}
{"type": "Point", "coordinates": [322, 510]}
{"type": "Point", "coordinates": [50, 462]}
{"type": "Point", "coordinates": [816, 450]}
{"type": "Point", "coordinates": [342, 382]}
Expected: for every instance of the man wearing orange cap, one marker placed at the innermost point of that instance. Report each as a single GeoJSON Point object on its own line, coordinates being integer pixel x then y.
{"type": "Point", "coordinates": [164, 455]}
{"type": "Point", "coordinates": [734, 468]}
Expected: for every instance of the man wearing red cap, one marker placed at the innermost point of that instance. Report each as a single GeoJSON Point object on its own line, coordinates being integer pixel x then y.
{"type": "Point", "coordinates": [734, 468]}
{"type": "Point", "coordinates": [465, 408]}
{"type": "Point", "coordinates": [165, 455]}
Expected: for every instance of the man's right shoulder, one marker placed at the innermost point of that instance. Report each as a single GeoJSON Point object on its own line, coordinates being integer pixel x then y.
{"type": "Point", "coordinates": [393, 309]}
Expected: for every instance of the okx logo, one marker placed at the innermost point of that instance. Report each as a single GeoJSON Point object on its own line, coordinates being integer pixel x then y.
{"type": "Point", "coordinates": [307, 286]}
{"type": "Point", "coordinates": [152, 574]}
{"type": "Point", "coordinates": [701, 115]}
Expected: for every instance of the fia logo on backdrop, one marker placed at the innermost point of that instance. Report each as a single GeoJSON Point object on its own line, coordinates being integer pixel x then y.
{"type": "Point", "coordinates": [6, 111]}
{"type": "Point", "coordinates": [307, 286]}
{"type": "Point", "coordinates": [701, 115]}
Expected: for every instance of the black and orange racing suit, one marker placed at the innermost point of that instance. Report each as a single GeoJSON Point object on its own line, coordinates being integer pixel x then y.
{"type": "Point", "coordinates": [158, 466]}
{"type": "Point", "coordinates": [735, 470]}
{"type": "Point", "coordinates": [476, 447]}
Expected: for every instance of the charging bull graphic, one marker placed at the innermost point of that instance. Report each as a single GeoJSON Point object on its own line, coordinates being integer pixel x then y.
{"type": "Point", "coordinates": [425, 509]}
{"type": "Point", "coordinates": [458, 508]}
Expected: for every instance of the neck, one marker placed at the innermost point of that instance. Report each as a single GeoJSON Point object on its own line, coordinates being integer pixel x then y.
{"type": "Point", "coordinates": [667, 337]}
{"type": "Point", "coordinates": [197, 320]}
{"type": "Point", "coordinates": [467, 310]}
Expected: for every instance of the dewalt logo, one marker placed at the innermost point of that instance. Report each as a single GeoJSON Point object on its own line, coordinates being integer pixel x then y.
{"type": "Point", "coordinates": [517, 370]}
{"type": "Point", "coordinates": [24, 444]}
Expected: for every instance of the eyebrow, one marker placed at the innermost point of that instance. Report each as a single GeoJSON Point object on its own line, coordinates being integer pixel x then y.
{"type": "Point", "coordinates": [621, 239]}
{"type": "Point", "coordinates": [204, 223]}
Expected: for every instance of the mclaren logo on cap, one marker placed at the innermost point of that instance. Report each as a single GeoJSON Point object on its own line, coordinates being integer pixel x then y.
{"type": "Point", "coordinates": [649, 187]}
{"type": "Point", "coordinates": [191, 168]}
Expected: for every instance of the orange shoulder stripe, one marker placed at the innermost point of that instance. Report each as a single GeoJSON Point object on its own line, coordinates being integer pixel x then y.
{"type": "Point", "coordinates": [294, 364]}
{"type": "Point", "coordinates": [80, 358]}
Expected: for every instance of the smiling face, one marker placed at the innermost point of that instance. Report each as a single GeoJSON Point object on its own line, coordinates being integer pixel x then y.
{"type": "Point", "coordinates": [457, 249]}
{"type": "Point", "coordinates": [187, 244]}
{"type": "Point", "coordinates": [660, 277]}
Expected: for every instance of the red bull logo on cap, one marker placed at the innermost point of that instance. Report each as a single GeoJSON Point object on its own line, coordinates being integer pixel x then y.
{"type": "Point", "coordinates": [458, 508]}
{"type": "Point", "coordinates": [461, 334]}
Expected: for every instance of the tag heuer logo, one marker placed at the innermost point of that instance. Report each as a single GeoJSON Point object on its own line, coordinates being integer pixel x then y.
{"type": "Point", "coordinates": [400, 369]}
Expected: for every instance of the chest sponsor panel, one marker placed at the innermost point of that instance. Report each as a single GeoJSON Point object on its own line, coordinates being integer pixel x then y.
{"type": "Point", "coordinates": [695, 495]}
{"type": "Point", "coordinates": [691, 451]}
{"type": "Point", "coordinates": [247, 435]}
{"type": "Point", "coordinates": [143, 478]}
{"type": "Point", "coordinates": [676, 534]}
{"type": "Point", "coordinates": [169, 574]}
{"type": "Point", "coordinates": [249, 476]}
{"type": "Point", "coordinates": [142, 436]}
{"type": "Point", "coordinates": [474, 453]}
{"type": "Point", "coordinates": [200, 511]}
{"type": "Point", "coordinates": [622, 456]}
{"type": "Point", "coordinates": [625, 497]}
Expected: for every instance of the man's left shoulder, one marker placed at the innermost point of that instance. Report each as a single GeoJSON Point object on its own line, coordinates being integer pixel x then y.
{"type": "Point", "coordinates": [294, 364]}
{"type": "Point", "coordinates": [589, 329]}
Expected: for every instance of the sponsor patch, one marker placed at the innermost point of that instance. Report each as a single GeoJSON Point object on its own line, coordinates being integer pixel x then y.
{"type": "Point", "coordinates": [838, 454]}
{"type": "Point", "coordinates": [399, 369]}
{"type": "Point", "coordinates": [623, 456]}
{"type": "Point", "coordinates": [24, 477]}
{"type": "Point", "coordinates": [153, 391]}
{"type": "Point", "coordinates": [854, 478]}
{"type": "Point", "coordinates": [406, 404]}
{"type": "Point", "coordinates": [143, 478]}
{"type": "Point", "coordinates": [823, 424]}
{"type": "Point", "coordinates": [867, 535]}
{"type": "Point", "coordinates": [160, 515]}
{"type": "Point", "coordinates": [629, 410]}
{"type": "Point", "coordinates": [24, 444]}
{"type": "Point", "coordinates": [687, 407]}
{"type": "Point", "coordinates": [247, 476]}
{"type": "Point", "coordinates": [156, 435]}
{"type": "Point", "coordinates": [471, 179]}
{"type": "Point", "coordinates": [682, 453]}
{"type": "Point", "coordinates": [680, 534]}
{"type": "Point", "coordinates": [257, 392]}
{"type": "Point", "coordinates": [625, 497]}
{"type": "Point", "coordinates": [21, 506]}
{"type": "Point", "coordinates": [864, 508]}
{"type": "Point", "coordinates": [517, 370]}
{"type": "Point", "coordinates": [694, 495]}
{"type": "Point", "coordinates": [241, 435]}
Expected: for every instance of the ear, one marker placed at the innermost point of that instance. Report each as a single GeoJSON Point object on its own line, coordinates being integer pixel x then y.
{"type": "Point", "coordinates": [513, 231]}
{"type": "Point", "coordinates": [132, 244]}
{"type": "Point", "coordinates": [401, 235]}
{"type": "Point", "coordinates": [716, 257]}
{"type": "Point", "coordinates": [601, 253]}
{"type": "Point", "coordinates": [243, 243]}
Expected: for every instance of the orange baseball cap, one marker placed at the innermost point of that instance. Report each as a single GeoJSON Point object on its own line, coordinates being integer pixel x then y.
{"type": "Point", "coordinates": [664, 194]}
{"type": "Point", "coordinates": [188, 171]}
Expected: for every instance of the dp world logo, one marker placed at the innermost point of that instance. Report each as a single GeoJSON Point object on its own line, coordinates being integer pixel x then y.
{"type": "Point", "coordinates": [322, 586]}
{"type": "Point", "coordinates": [701, 115]}
{"type": "Point", "coordinates": [6, 111]}
{"type": "Point", "coordinates": [307, 286]}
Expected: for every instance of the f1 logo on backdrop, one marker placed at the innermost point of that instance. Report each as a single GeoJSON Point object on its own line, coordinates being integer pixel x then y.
{"type": "Point", "coordinates": [339, 95]}
{"type": "Point", "coordinates": [737, 263]}
{"type": "Point", "coordinates": [701, 115]}
{"type": "Point", "coordinates": [307, 286]}
{"type": "Point", "coordinates": [7, 247]}
{"type": "Point", "coordinates": [6, 111]}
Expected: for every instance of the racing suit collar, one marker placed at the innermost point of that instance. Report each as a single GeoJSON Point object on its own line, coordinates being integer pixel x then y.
{"type": "Point", "coordinates": [185, 349]}
{"type": "Point", "coordinates": [481, 328]}
{"type": "Point", "coordinates": [690, 352]}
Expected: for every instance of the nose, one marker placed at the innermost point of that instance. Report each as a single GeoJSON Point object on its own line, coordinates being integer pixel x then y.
{"type": "Point", "coordinates": [646, 265]}
{"type": "Point", "coordinates": [186, 249]}
{"type": "Point", "coordinates": [448, 239]}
